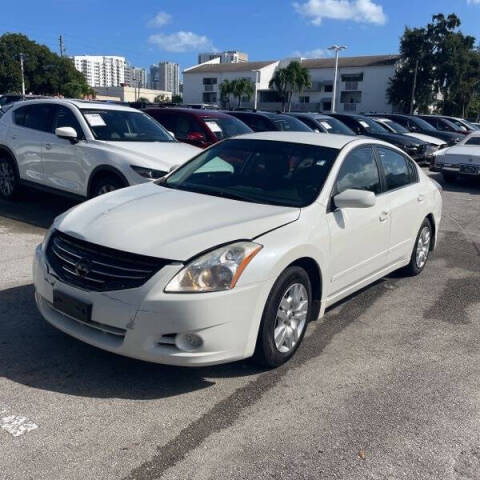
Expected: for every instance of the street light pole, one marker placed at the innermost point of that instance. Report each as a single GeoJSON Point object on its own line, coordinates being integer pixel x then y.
{"type": "Point", "coordinates": [337, 49]}
{"type": "Point", "coordinates": [255, 97]}
{"type": "Point", "coordinates": [23, 76]}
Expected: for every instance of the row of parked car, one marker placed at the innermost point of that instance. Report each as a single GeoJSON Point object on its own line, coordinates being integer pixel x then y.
{"type": "Point", "coordinates": [126, 146]}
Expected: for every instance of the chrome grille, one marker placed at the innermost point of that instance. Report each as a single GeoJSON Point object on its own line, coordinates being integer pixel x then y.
{"type": "Point", "coordinates": [93, 267]}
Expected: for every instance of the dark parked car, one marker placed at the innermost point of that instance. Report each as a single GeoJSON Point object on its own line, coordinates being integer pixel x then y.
{"type": "Point", "coordinates": [418, 125]}
{"type": "Point", "coordinates": [441, 123]}
{"type": "Point", "coordinates": [201, 128]}
{"type": "Point", "coordinates": [363, 125]}
{"type": "Point", "coordinates": [461, 123]}
{"type": "Point", "coordinates": [268, 122]}
{"type": "Point", "coordinates": [319, 122]}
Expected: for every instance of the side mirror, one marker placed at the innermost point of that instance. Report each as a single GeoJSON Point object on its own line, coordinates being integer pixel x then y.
{"type": "Point", "coordinates": [68, 133]}
{"type": "Point", "coordinates": [354, 199]}
{"type": "Point", "coordinates": [171, 133]}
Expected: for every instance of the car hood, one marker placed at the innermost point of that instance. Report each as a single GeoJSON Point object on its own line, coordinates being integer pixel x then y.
{"type": "Point", "coordinates": [426, 138]}
{"type": "Point", "coordinates": [158, 155]}
{"type": "Point", "coordinates": [447, 136]}
{"type": "Point", "coordinates": [152, 220]}
{"type": "Point", "coordinates": [397, 138]}
{"type": "Point", "coordinates": [462, 154]}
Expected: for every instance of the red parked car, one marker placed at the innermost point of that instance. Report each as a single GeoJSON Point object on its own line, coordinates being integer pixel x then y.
{"type": "Point", "coordinates": [201, 128]}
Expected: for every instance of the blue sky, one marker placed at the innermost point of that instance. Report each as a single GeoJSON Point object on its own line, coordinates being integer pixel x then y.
{"type": "Point", "coordinates": [147, 31]}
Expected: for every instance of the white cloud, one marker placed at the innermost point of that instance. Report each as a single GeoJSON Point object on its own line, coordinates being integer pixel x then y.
{"type": "Point", "coordinates": [364, 11]}
{"type": "Point", "coordinates": [181, 41]}
{"type": "Point", "coordinates": [159, 20]}
{"type": "Point", "coordinates": [475, 2]}
{"type": "Point", "coordinates": [315, 53]}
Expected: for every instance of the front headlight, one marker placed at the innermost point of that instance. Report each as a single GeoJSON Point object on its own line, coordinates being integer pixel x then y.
{"type": "Point", "coordinates": [148, 172]}
{"type": "Point", "coordinates": [217, 270]}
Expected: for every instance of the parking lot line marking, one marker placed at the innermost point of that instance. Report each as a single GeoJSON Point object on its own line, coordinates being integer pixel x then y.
{"type": "Point", "coordinates": [15, 425]}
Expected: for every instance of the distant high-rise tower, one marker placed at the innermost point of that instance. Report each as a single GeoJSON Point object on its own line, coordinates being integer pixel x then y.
{"type": "Point", "coordinates": [228, 56]}
{"type": "Point", "coordinates": [101, 71]}
{"type": "Point", "coordinates": [165, 76]}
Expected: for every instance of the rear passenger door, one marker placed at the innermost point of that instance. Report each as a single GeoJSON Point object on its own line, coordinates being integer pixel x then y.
{"type": "Point", "coordinates": [29, 131]}
{"type": "Point", "coordinates": [407, 203]}
{"type": "Point", "coordinates": [189, 130]}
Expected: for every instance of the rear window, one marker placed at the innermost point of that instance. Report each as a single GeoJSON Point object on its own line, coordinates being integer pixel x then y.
{"type": "Point", "coordinates": [473, 141]}
{"type": "Point", "coordinates": [225, 127]}
{"type": "Point", "coordinates": [332, 125]}
{"type": "Point", "coordinates": [286, 123]}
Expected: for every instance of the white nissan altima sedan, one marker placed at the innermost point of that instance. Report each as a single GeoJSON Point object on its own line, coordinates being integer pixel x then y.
{"type": "Point", "coordinates": [232, 254]}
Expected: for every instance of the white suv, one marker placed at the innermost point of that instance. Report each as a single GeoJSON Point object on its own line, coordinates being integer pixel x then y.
{"type": "Point", "coordinates": [83, 148]}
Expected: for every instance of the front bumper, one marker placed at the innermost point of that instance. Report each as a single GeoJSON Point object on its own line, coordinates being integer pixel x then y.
{"type": "Point", "coordinates": [459, 169]}
{"type": "Point", "coordinates": [148, 324]}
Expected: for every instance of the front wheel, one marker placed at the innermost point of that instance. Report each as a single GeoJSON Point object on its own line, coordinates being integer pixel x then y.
{"type": "Point", "coordinates": [421, 249]}
{"type": "Point", "coordinates": [285, 317]}
{"type": "Point", "coordinates": [8, 179]}
{"type": "Point", "coordinates": [105, 184]}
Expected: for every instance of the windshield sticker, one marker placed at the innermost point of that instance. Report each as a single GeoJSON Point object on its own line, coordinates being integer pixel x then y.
{"type": "Point", "coordinates": [95, 120]}
{"type": "Point", "coordinates": [363, 123]}
{"type": "Point", "coordinates": [326, 125]}
{"type": "Point", "coordinates": [213, 126]}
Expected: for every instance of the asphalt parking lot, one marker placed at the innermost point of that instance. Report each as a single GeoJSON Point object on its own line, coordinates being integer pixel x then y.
{"type": "Point", "coordinates": [386, 386]}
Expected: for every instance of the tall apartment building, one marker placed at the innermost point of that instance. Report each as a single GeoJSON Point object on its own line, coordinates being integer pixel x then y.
{"type": "Point", "coordinates": [135, 77]}
{"type": "Point", "coordinates": [101, 71]}
{"type": "Point", "coordinates": [165, 76]}
{"type": "Point", "coordinates": [228, 56]}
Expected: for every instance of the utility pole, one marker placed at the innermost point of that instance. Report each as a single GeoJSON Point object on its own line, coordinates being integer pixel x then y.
{"type": "Point", "coordinates": [337, 49]}
{"type": "Point", "coordinates": [62, 51]}
{"type": "Point", "coordinates": [414, 87]}
{"type": "Point", "coordinates": [23, 75]}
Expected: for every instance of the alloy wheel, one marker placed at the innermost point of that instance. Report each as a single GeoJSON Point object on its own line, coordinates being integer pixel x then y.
{"type": "Point", "coordinates": [423, 247]}
{"type": "Point", "coordinates": [7, 178]}
{"type": "Point", "coordinates": [106, 188]}
{"type": "Point", "coordinates": [291, 317]}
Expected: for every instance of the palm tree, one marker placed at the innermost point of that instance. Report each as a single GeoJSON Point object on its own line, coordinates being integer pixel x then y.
{"type": "Point", "coordinates": [226, 89]}
{"type": "Point", "coordinates": [279, 83]}
{"type": "Point", "coordinates": [287, 81]}
{"type": "Point", "coordinates": [242, 87]}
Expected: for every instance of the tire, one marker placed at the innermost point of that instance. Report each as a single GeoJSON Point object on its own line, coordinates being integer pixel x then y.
{"type": "Point", "coordinates": [106, 183]}
{"type": "Point", "coordinates": [421, 249]}
{"type": "Point", "coordinates": [449, 177]}
{"type": "Point", "coordinates": [9, 185]}
{"type": "Point", "coordinates": [291, 288]}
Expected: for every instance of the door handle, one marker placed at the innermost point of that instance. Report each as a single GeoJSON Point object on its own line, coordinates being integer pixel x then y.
{"type": "Point", "coordinates": [48, 146]}
{"type": "Point", "coordinates": [384, 216]}
{"type": "Point", "coordinates": [421, 197]}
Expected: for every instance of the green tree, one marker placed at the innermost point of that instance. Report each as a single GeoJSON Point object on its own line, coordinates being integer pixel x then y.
{"type": "Point", "coordinates": [143, 100]}
{"type": "Point", "coordinates": [242, 87]}
{"type": "Point", "coordinates": [159, 99]}
{"type": "Point", "coordinates": [177, 99]}
{"type": "Point", "coordinates": [290, 80]}
{"type": "Point", "coordinates": [226, 90]}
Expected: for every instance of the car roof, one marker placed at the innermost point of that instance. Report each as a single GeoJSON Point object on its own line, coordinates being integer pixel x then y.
{"type": "Point", "coordinates": [191, 111]}
{"type": "Point", "coordinates": [310, 138]}
{"type": "Point", "coordinates": [311, 115]}
{"type": "Point", "coordinates": [86, 104]}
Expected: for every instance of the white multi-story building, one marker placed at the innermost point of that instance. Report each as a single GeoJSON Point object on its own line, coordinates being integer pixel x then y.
{"type": "Point", "coordinates": [135, 77]}
{"type": "Point", "coordinates": [101, 71]}
{"type": "Point", "coordinates": [362, 83]}
{"type": "Point", "coordinates": [228, 56]}
{"type": "Point", "coordinates": [165, 76]}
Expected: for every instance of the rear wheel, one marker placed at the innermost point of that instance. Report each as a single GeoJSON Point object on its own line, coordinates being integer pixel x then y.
{"type": "Point", "coordinates": [421, 249]}
{"type": "Point", "coordinates": [8, 178]}
{"type": "Point", "coordinates": [449, 177]}
{"type": "Point", "coordinates": [106, 183]}
{"type": "Point", "coordinates": [287, 312]}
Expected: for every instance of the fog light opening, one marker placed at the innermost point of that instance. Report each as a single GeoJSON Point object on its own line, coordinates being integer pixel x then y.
{"type": "Point", "coordinates": [188, 341]}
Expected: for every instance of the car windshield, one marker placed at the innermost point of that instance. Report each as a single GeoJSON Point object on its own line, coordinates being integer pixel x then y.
{"type": "Point", "coordinates": [332, 125]}
{"type": "Point", "coordinates": [259, 171]}
{"type": "Point", "coordinates": [371, 126]}
{"type": "Point", "coordinates": [225, 127]}
{"type": "Point", "coordinates": [422, 124]}
{"type": "Point", "coordinates": [124, 126]}
{"type": "Point", "coordinates": [292, 124]}
{"type": "Point", "coordinates": [452, 126]}
{"type": "Point", "coordinates": [396, 127]}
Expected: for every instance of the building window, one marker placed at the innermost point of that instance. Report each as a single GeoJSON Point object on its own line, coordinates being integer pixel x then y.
{"type": "Point", "coordinates": [350, 97]}
{"type": "Point", "coordinates": [209, 97]}
{"type": "Point", "coordinates": [329, 88]}
{"type": "Point", "coordinates": [210, 81]}
{"type": "Point", "coordinates": [327, 106]}
{"type": "Point", "coordinates": [304, 99]}
{"type": "Point", "coordinates": [352, 77]}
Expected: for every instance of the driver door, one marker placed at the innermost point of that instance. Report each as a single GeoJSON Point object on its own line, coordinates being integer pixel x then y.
{"type": "Point", "coordinates": [63, 162]}
{"type": "Point", "coordinates": [359, 237]}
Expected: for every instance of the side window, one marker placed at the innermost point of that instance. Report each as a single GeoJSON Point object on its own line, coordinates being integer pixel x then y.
{"type": "Point", "coordinates": [167, 120]}
{"type": "Point", "coordinates": [395, 167]}
{"type": "Point", "coordinates": [185, 125]}
{"type": "Point", "coordinates": [19, 115]}
{"type": "Point", "coordinates": [66, 118]}
{"type": "Point", "coordinates": [412, 169]}
{"type": "Point", "coordinates": [39, 117]}
{"type": "Point", "coordinates": [473, 141]}
{"type": "Point", "coordinates": [359, 171]}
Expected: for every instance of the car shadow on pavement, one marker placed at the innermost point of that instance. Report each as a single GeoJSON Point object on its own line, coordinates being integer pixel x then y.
{"type": "Point", "coordinates": [35, 208]}
{"type": "Point", "coordinates": [462, 185]}
{"type": "Point", "coordinates": [35, 354]}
